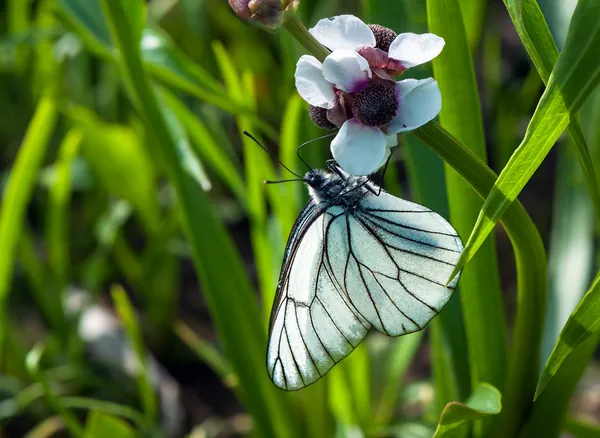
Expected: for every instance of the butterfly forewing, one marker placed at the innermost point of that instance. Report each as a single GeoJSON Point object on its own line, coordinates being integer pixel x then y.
{"type": "Point", "coordinates": [313, 325]}
{"type": "Point", "coordinates": [382, 263]}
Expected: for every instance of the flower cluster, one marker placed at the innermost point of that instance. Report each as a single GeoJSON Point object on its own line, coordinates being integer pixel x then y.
{"type": "Point", "coordinates": [354, 88]}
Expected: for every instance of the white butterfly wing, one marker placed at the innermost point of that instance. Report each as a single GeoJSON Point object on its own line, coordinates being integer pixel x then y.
{"type": "Point", "coordinates": [392, 258]}
{"type": "Point", "coordinates": [383, 264]}
{"type": "Point", "coordinates": [313, 325]}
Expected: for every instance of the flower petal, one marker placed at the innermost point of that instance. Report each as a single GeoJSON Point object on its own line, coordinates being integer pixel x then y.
{"type": "Point", "coordinates": [359, 149]}
{"type": "Point", "coordinates": [348, 70]}
{"type": "Point", "coordinates": [343, 32]}
{"type": "Point", "coordinates": [412, 49]}
{"type": "Point", "coordinates": [311, 84]}
{"type": "Point", "coordinates": [391, 140]}
{"type": "Point", "coordinates": [418, 103]}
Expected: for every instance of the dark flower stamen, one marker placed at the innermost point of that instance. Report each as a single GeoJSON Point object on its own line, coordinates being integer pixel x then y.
{"type": "Point", "coordinates": [383, 36]}
{"type": "Point", "coordinates": [376, 105]}
{"type": "Point", "coordinates": [319, 117]}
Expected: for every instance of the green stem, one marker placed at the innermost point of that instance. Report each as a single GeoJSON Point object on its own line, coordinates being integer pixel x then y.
{"type": "Point", "coordinates": [304, 37]}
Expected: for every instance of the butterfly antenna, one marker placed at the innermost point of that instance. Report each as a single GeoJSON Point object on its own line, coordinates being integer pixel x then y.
{"type": "Point", "coordinates": [247, 134]}
{"type": "Point", "coordinates": [283, 181]}
{"type": "Point", "coordinates": [309, 142]}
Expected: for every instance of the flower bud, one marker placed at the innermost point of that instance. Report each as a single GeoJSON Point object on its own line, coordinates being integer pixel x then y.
{"type": "Point", "coordinates": [269, 13]}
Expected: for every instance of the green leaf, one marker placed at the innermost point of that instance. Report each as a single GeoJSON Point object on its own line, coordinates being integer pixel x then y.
{"type": "Point", "coordinates": [111, 408]}
{"type": "Point", "coordinates": [100, 425]}
{"type": "Point", "coordinates": [212, 152]}
{"type": "Point", "coordinates": [485, 401]}
{"type": "Point", "coordinates": [127, 315]}
{"type": "Point", "coordinates": [18, 192]}
{"type": "Point", "coordinates": [57, 231]}
{"type": "Point", "coordinates": [483, 313]}
{"type": "Point", "coordinates": [576, 73]}
{"type": "Point", "coordinates": [536, 37]}
{"type": "Point", "coordinates": [582, 324]}
{"type": "Point", "coordinates": [226, 287]}
{"type": "Point", "coordinates": [32, 363]}
{"type": "Point", "coordinates": [207, 353]}
{"type": "Point", "coordinates": [582, 429]}
{"type": "Point", "coordinates": [116, 154]}
{"type": "Point", "coordinates": [401, 355]}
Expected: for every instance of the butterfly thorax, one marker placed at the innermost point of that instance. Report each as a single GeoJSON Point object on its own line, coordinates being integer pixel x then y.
{"type": "Point", "coordinates": [331, 189]}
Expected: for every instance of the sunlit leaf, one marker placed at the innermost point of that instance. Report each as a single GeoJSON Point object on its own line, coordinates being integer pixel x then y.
{"type": "Point", "coordinates": [485, 401]}
{"type": "Point", "coordinates": [100, 425]}
{"type": "Point", "coordinates": [582, 324]}
{"type": "Point", "coordinates": [576, 73]}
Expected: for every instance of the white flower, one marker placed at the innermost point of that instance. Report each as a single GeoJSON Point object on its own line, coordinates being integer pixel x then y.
{"type": "Point", "coordinates": [354, 90]}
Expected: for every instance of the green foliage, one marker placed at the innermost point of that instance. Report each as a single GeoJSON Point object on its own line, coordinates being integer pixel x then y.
{"type": "Point", "coordinates": [485, 400]}
{"type": "Point", "coordinates": [124, 163]}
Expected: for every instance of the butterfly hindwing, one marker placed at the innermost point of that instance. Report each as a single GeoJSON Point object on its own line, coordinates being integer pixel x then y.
{"type": "Point", "coordinates": [393, 258]}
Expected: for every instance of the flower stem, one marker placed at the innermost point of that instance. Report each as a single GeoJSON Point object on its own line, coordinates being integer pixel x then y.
{"type": "Point", "coordinates": [303, 36]}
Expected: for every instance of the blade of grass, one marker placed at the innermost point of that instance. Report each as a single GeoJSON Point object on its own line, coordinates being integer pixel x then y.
{"type": "Point", "coordinates": [32, 362]}
{"type": "Point", "coordinates": [92, 404]}
{"type": "Point", "coordinates": [127, 316]}
{"type": "Point", "coordinates": [549, 411]}
{"type": "Point", "coordinates": [575, 75]}
{"type": "Point", "coordinates": [219, 268]}
{"type": "Point", "coordinates": [480, 293]}
{"type": "Point", "coordinates": [581, 429]}
{"type": "Point", "coordinates": [99, 425]}
{"type": "Point", "coordinates": [570, 255]}
{"type": "Point", "coordinates": [18, 192]}
{"type": "Point", "coordinates": [57, 232]}
{"type": "Point", "coordinates": [582, 324]}
{"type": "Point", "coordinates": [530, 258]}
{"type": "Point", "coordinates": [211, 152]}
{"type": "Point", "coordinates": [402, 354]}
{"type": "Point", "coordinates": [207, 353]}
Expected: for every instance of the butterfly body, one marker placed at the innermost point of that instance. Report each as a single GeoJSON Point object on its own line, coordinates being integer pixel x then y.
{"type": "Point", "coordinates": [357, 258]}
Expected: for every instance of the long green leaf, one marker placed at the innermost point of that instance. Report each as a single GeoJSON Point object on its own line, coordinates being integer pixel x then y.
{"type": "Point", "coordinates": [582, 429]}
{"type": "Point", "coordinates": [480, 293]}
{"type": "Point", "coordinates": [536, 37]}
{"type": "Point", "coordinates": [101, 425]}
{"type": "Point", "coordinates": [211, 151]}
{"type": "Point", "coordinates": [485, 401]}
{"type": "Point", "coordinates": [18, 192]}
{"type": "Point", "coordinates": [582, 324]}
{"type": "Point", "coordinates": [530, 258]}
{"type": "Point", "coordinates": [576, 73]}
{"type": "Point", "coordinates": [32, 363]}
{"type": "Point", "coordinates": [134, 334]}
{"type": "Point", "coordinates": [225, 285]}
{"type": "Point", "coordinates": [548, 413]}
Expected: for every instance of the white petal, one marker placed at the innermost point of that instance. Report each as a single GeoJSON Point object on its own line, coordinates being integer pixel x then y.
{"type": "Point", "coordinates": [391, 140]}
{"type": "Point", "coordinates": [359, 149]}
{"type": "Point", "coordinates": [311, 84]}
{"type": "Point", "coordinates": [418, 103]}
{"type": "Point", "coordinates": [343, 32]}
{"type": "Point", "coordinates": [348, 70]}
{"type": "Point", "coordinates": [412, 49]}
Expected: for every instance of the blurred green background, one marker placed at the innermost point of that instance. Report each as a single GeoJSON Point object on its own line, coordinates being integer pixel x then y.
{"type": "Point", "coordinates": [140, 250]}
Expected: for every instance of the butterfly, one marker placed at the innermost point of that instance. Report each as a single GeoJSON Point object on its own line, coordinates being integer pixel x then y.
{"type": "Point", "coordinates": [357, 258]}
